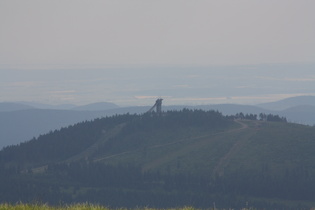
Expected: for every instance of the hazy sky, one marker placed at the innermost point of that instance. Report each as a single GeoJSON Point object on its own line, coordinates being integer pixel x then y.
{"type": "Point", "coordinates": [127, 52]}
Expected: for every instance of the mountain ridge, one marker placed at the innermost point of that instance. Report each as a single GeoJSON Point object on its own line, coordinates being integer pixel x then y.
{"type": "Point", "coordinates": [289, 103]}
{"type": "Point", "coordinates": [12, 106]}
{"type": "Point", "coordinates": [99, 106]}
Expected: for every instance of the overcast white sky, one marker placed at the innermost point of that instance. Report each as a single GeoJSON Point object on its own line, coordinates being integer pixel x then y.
{"type": "Point", "coordinates": [140, 37]}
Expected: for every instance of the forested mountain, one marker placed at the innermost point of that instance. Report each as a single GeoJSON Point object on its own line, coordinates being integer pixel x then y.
{"type": "Point", "coordinates": [32, 119]}
{"type": "Point", "coordinates": [61, 144]}
{"type": "Point", "coordinates": [34, 122]}
{"type": "Point", "coordinates": [177, 158]}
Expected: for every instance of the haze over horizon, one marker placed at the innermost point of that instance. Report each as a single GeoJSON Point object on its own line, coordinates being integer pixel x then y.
{"type": "Point", "coordinates": [131, 52]}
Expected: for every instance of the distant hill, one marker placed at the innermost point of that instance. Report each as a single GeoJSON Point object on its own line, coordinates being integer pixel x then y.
{"type": "Point", "coordinates": [37, 105]}
{"type": "Point", "coordinates": [288, 103]}
{"type": "Point", "coordinates": [96, 106]}
{"type": "Point", "coordinates": [181, 158]}
{"type": "Point", "coordinates": [34, 122]}
{"type": "Point", "coordinates": [303, 114]}
{"type": "Point", "coordinates": [8, 107]}
{"type": "Point", "coordinates": [99, 106]}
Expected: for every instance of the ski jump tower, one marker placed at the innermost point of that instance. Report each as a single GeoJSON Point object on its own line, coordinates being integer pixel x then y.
{"type": "Point", "coordinates": [158, 106]}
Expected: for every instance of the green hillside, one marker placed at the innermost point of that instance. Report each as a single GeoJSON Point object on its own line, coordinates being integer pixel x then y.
{"type": "Point", "coordinates": [181, 158]}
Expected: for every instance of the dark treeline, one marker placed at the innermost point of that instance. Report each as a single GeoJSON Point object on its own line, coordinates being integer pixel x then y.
{"type": "Point", "coordinates": [118, 186]}
{"type": "Point", "coordinates": [177, 119]}
{"type": "Point", "coordinates": [261, 117]}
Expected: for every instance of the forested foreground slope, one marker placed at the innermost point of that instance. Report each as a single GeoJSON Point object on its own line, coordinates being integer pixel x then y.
{"type": "Point", "coordinates": [180, 158]}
